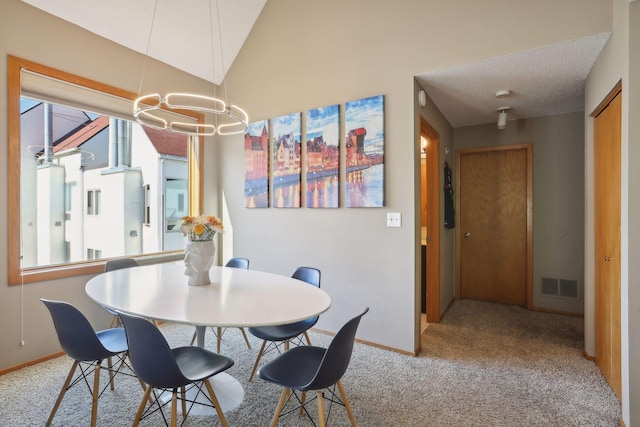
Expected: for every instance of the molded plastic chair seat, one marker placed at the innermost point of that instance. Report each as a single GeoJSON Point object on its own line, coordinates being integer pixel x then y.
{"type": "Point", "coordinates": [242, 263]}
{"type": "Point", "coordinates": [311, 368]}
{"type": "Point", "coordinates": [83, 344]}
{"type": "Point", "coordinates": [164, 368]}
{"type": "Point", "coordinates": [277, 334]}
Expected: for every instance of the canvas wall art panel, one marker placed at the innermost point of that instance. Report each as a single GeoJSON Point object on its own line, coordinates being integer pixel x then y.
{"type": "Point", "coordinates": [286, 150]}
{"type": "Point", "coordinates": [323, 157]}
{"type": "Point", "coordinates": [256, 165]}
{"type": "Point", "coordinates": [364, 152]}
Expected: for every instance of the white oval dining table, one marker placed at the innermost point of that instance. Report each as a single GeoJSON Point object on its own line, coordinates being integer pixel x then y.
{"type": "Point", "coordinates": [234, 297]}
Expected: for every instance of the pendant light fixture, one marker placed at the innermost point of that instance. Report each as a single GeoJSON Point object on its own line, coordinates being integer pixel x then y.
{"type": "Point", "coordinates": [502, 117]}
{"type": "Point", "coordinates": [502, 111]}
{"type": "Point", "coordinates": [151, 109]}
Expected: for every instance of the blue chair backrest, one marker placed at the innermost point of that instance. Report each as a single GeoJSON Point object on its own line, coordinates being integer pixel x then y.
{"type": "Point", "coordinates": [338, 355]}
{"type": "Point", "coordinates": [150, 354]}
{"type": "Point", "coordinates": [238, 263]}
{"type": "Point", "coordinates": [308, 274]}
{"type": "Point", "coordinates": [117, 264]}
{"type": "Point", "coordinates": [76, 335]}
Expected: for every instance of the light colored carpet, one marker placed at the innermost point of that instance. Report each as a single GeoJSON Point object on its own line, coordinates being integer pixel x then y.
{"type": "Point", "coordinates": [485, 364]}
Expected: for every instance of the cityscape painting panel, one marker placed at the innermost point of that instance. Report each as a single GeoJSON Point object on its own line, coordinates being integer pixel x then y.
{"type": "Point", "coordinates": [364, 152]}
{"type": "Point", "coordinates": [323, 157]}
{"type": "Point", "coordinates": [286, 150]}
{"type": "Point", "coordinates": [256, 165]}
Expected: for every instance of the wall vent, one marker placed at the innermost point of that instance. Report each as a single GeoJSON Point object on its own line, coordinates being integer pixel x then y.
{"type": "Point", "coordinates": [562, 288]}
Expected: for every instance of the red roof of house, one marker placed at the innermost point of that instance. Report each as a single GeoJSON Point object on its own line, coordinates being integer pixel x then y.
{"type": "Point", "coordinates": [167, 142]}
{"type": "Point", "coordinates": [87, 132]}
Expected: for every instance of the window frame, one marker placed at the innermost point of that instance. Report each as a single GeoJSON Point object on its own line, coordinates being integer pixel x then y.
{"type": "Point", "coordinates": [18, 275]}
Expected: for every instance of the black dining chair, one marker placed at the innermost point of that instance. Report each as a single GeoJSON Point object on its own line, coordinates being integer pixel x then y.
{"type": "Point", "coordinates": [87, 347]}
{"type": "Point", "coordinates": [117, 264]}
{"type": "Point", "coordinates": [310, 368]}
{"type": "Point", "coordinates": [274, 336]}
{"type": "Point", "coordinates": [170, 369]}
{"type": "Point", "coordinates": [242, 263]}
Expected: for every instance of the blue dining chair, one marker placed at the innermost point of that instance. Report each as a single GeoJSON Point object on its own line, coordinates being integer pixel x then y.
{"type": "Point", "coordinates": [170, 369]}
{"type": "Point", "coordinates": [242, 263]}
{"type": "Point", "coordinates": [274, 336]}
{"type": "Point", "coordinates": [310, 368]}
{"type": "Point", "coordinates": [86, 347]}
{"type": "Point", "coordinates": [117, 264]}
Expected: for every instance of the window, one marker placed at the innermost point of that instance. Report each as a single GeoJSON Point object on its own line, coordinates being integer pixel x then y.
{"type": "Point", "coordinates": [77, 167]}
{"type": "Point", "coordinates": [147, 204]}
{"type": "Point", "coordinates": [93, 202]}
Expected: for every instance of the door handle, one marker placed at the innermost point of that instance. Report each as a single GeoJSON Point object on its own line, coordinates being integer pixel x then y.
{"type": "Point", "coordinates": [467, 234]}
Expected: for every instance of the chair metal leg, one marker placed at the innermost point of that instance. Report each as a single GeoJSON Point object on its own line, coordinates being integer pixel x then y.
{"type": "Point", "coordinates": [323, 422]}
{"type": "Point", "coordinates": [244, 334]}
{"type": "Point", "coordinates": [62, 392]}
{"type": "Point", "coordinates": [96, 394]}
{"type": "Point", "coordinates": [143, 403]}
{"type": "Point", "coordinates": [283, 399]}
{"type": "Point", "coordinates": [343, 395]}
{"type": "Point", "coordinates": [216, 404]}
{"type": "Point", "coordinates": [218, 337]}
{"type": "Point", "coordinates": [255, 365]}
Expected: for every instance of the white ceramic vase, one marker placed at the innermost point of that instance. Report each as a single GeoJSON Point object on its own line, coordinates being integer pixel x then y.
{"type": "Point", "coordinates": [198, 259]}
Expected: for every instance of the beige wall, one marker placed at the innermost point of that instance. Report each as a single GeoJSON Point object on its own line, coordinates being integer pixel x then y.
{"type": "Point", "coordinates": [558, 195]}
{"type": "Point", "coordinates": [633, 303]}
{"type": "Point", "coordinates": [28, 33]}
{"type": "Point", "coordinates": [303, 55]}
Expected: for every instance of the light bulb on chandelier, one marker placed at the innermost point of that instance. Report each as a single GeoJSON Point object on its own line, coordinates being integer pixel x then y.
{"type": "Point", "coordinates": [151, 110]}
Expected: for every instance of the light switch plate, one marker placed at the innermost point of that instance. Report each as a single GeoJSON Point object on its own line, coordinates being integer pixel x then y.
{"type": "Point", "coordinates": [394, 219]}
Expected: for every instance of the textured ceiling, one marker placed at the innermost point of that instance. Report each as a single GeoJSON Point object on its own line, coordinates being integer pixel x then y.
{"type": "Point", "coordinates": [544, 81]}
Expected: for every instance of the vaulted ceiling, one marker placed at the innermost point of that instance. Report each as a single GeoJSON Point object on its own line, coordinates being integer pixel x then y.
{"type": "Point", "coordinates": [203, 38]}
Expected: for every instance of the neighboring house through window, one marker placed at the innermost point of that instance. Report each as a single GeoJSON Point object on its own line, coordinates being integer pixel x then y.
{"type": "Point", "coordinates": [85, 181]}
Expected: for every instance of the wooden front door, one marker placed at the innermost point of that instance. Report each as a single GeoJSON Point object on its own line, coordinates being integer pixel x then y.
{"type": "Point", "coordinates": [607, 131]}
{"type": "Point", "coordinates": [494, 232]}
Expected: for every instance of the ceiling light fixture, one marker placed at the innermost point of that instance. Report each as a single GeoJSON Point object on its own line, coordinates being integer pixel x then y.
{"type": "Point", "coordinates": [502, 117]}
{"type": "Point", "coordinates": [150, 110]}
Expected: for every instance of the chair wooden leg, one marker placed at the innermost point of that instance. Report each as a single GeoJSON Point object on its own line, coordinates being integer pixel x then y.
{"type": "Point", "coordinates": [143, 403]}
{"type": "Point", "coordinates": [218, 337]}
{"type": "Point", "coordinates": [303, 398]}
{"type": "Point", "coordinates": [111, 374]}
{"type": "Point", "coordinates": [323, 422]}
{"type": "Point", "coordinates": [62, 392]}
{"type": "Point", "coordinates": [216, 404]}
{"type": "Point", "coordinates": [183, 394]}
{"type": "Point", "coordinates": [283, 398]}
{"type": "Point", "coordinates": [193, 339]}
{"type": "Point", "coordinates": [343, 395]}
{"type": "Point", "coordinates": [255, 365]}
{"type": "Point", "coordinates": [96, 394]}
{"type": "Point", "coordinates": [174, 408]}
{"type": "Point", "coordinates": [306, 335]}
{"type": "Point", "coordinates": [115, 322]}
{"type": "Point", "coordinates": [244, 334]}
